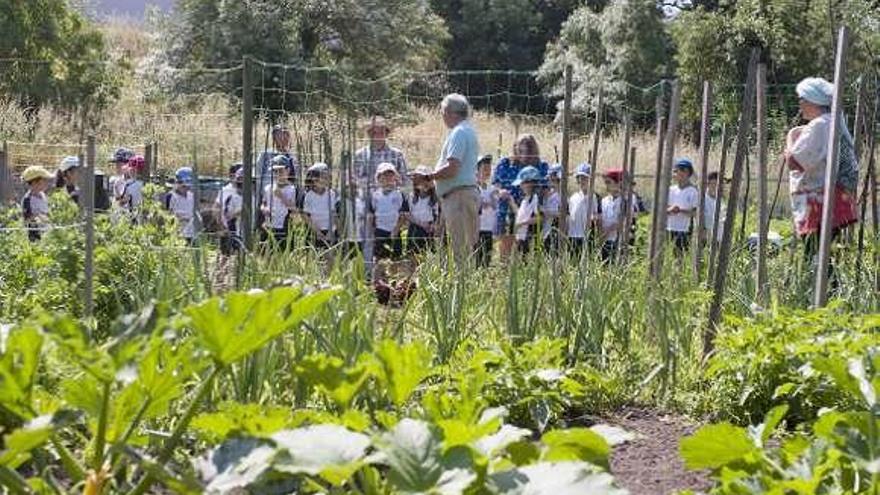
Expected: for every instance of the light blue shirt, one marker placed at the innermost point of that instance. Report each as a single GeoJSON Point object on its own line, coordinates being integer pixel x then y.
{"type": "Point", "coordinates": [461, 144]}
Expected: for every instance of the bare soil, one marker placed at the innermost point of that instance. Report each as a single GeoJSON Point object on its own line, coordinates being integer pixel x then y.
{"type": "Point", "coordinates": [651, 464]}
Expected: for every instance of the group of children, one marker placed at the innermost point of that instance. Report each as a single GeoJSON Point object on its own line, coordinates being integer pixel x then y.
{"type": "Point", "coordinates": [528, 208]}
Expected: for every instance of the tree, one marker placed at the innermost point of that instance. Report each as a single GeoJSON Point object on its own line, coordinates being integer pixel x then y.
{"type": "Point", "coordinates": [355, 40]}
{"type": "Point", "coordinates": [621, 49]}
{"type": "Point", "coordinates": [51, 53]}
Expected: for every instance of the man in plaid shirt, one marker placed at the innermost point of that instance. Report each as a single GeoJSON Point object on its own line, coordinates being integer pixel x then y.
{"type": "Point", "coordinates": [368, 158]}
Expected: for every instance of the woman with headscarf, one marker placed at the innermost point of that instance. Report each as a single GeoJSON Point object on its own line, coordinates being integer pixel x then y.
{"type": "Point", "coordinates": [806, 154]}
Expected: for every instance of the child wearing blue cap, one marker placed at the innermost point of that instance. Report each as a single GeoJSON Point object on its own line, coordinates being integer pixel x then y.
{"type": "Point", "coordinates": [551, 210]}
{"type": "Point", "coordinates": [684, 199]}
{"type": "Point", "coordinates": [582, 210]}
{"type": "Point", "coordinates": [529, 209]}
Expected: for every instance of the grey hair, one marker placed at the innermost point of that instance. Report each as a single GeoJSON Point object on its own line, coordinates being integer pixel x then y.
{"type": "Point", "coordinates": [456, 104]}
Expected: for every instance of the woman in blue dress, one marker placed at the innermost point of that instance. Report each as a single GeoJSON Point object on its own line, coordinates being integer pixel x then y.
{"type": "Point", "coordinates": [525, 153]}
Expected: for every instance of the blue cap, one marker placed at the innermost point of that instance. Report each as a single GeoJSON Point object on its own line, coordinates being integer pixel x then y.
{"type": "Point", "coordinates": [685, 164]}
{"type": "Point", "coordinates": [583, 170]}
{"type": "Point", "coordinates": [184, 175]}
{"type": "Point", "coordinates": [555, 171]}
{"type": "Point", "coordinates": [121, 155]}
{"type": "Point", "coordinates": [527, 174]}
{"type": "Point", "coordinates": [282, 160]}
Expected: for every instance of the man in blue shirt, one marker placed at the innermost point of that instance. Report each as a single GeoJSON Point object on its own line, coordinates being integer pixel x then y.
{"type": "Point", "coordinates": [456, 178]}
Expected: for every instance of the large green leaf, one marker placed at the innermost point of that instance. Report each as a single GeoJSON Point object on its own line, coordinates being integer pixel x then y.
{"type": "Point", "coordinates": [501, 439]}
{"type": "Point", "coordinates": [576, 444]}
{"type": "Point", "coordinates": [35, 433]}
{"type": "Point", "coordinates": [402, 368]}
{"type": "Point", "coordinates": [251, 419]}
{"type": "Point", "coordinates": [232, 327]}
{"type": "Point", "coordinates": [236, 464]}
{"type": "Point", "coordinates": [555, 478]}
{"type": "Point", "coordinates": [714, 446]}
{"type": "Point", "coordinates": [330, 451]}
{"type": "Point", "coordinates": [412, 451]}
{"type": "Point", "coordinates": [19, 359]}
{"type": "Point", "coordinates": [331, 376]}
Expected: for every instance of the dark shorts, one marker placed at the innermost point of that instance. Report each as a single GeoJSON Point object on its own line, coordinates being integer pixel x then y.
{"type": "Point", "coordinates": [386, 247]}
{"type": "Point", "coordinates": [484, 248]}
{"type": "Point", "coordinates": [321, 245]}
{"type": "Point", "coordinates": [682, 240]}
{"type": "Point", "coordinates": [230, 244]}
{"type": "Point", "coordinates": [418, 240]}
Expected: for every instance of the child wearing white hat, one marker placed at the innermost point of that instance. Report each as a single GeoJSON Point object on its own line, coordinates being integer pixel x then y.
{"type": "Point", "coordinates": [390, 209]}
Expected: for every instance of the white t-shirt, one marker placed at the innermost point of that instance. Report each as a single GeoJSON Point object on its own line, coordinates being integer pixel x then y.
{"type": "Point", "coordinates": [320, 207]}
{"type": "Point", "coordinates": [709, 216]}
{"type": "Point", "coordinates": [134, 189]}
{"type": "Point", "coordinates": [528, 208]}
{"type": "Point", "coordinates": [387, 208]}
{"type": "Point", "coordinates": [579, 218]}
{"type": "Point", "coordinates": [611, 215]}
{"type": "Point", "coordinates": [224, 193]}
{"type": "Point", "coordinates": [687, 198]}
{"type": "Point", "coordinates": [422, 211]}
{"type": "Point", "coordinates": [182, 205]}
{"type": "Point", "coordinates": [279, 200]}
{"type": "Point", "coordinates": [488, 208]}
{"type": "Point", "coordinates": [38, 208]}
{"type": "Point", "coordinates": [231, 210]}
{"type": "Point", "coordinates": [117, 184]}
{"type": "Point", "coordinates": [552, 205]}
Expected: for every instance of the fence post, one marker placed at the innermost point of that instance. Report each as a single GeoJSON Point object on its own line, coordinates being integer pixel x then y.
{"type": "Point", "coordinates": [716, 218]}
{"type": "Point", "coordinates": [705, 143]}
{"type": "Point", "coordinates": [665, 177]}
{"type": "Point", "coordinates": [761, 286]}
{"type": "Point", "coordinates": [247, 142]}
{"type": "Point", "coordinates": [147, 172]}
{"type": "Point", "coordinates": [566, 166]}
{"type": "Point", "coordinates": [869, 130]}
{"type": "Point", "coordinates": [630, 175]}
{"type": "Point", "coordinates": [89, 217]}
{"type": "Point", "coordinates": [820, 298]}
{"type": "Point", "coordinates": [5, 176]}
{"type": "Point", "coordinates": [626, 193]}
{"type": "Point", "coordinates": [658, 168]}
{"type": "Point", "coordinates": [591, 196]}
{"type": "Point", "coordinates": [742, 134]}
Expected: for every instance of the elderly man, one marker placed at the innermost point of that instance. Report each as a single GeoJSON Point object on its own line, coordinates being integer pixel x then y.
{"type": "Point", "coordinates": [368, 158]}
{"type": "Point", "coordinates": [456, 177]}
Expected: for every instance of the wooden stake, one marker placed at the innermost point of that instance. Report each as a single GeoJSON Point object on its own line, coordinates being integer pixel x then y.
{"type": "Point", "coordinates": [716, 218]}
{"type": "Point", "coordinates": [247, 142]}
{"type": "Point", "coordinates": [566, 166]}
{"type": "Point", "coordinates": [626, 193]}
{"type": "Point", "coordinates": [863, 206]}
{"type": "Point", "coordinates": [820, 297]}
{"type": "Point", "coordinates": [705, 142]}
{"type": "Point", "coordinates": [5, 176]}
{"type": "Point", "coordinates": [146, 172]}
{"type": "Point", "coordinates": [630, 174]}
{"type": "Point", "coordinates": [658, 168]}
{"type": "Point", "coordinates": [743, 130]}
{"type": "Point", "coordinates": [761, 286]}
{"type": "Point", "coordinates": [597, 132]}
{"type": "Point", "coordinates": [665, 178]}
{"type": "Point", "coordinates": [88, 212]}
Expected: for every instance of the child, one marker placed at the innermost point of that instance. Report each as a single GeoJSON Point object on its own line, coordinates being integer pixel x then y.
{"type": "Point", "coordinates": [319, 206]}
{"type": "Point", "coordinates": [424, 212]}
{"type": "Point", "coordinates": [612, 213]}
{"type": "Point", "coordinates": [528, 210]}
{"type": "Point", "coordinates": [488, 202]}
{"type": "Point", "coordinates": [279, 203]}
{"type": "Point", "coordinates": [132, 195]}
{"type": "Point", "coordinates": [66, 177]}
{"type": "Point", "coordinates": [390, 208]}
{"type": "Point", "coordinates": [228, 189]}
{"type": "Point", "coordinates": [551, 210]}
{"type": "Point", "coordinates": [35, 204]}
{"type": "Point", "coordinates": [683, 203]}
{"type": "Point", "coordinates": [181, 203]}
{"type": "Point", "coordinates": [582, 210]}
{"type": "Point", "coordinates": [230, 213]}
{"type": "Point", "coordinates": [711, 202]}
{"type": "Point", "coordinates": [119, 159]}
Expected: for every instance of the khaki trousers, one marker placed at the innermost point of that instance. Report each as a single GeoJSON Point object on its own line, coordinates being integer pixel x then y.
{"type": "Point", "coordinates": [461, 215]}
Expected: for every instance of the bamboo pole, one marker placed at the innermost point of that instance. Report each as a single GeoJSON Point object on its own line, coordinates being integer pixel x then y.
{"type": "Point", "coordinates": [665, 178]}
{"type": "Point", "coordinates": [705, 142]}
{"type": "Point", "coordinates": [247, 137]}
{"type": "Point", "coordinates": [743, 130]}
{"type": "Point", "coordinates": [597, 132]}
{"type": "Point", "coordinates": [89, 217]}
{"type": "Point", "coordinates": [566, 166]}
{"type": "Point", "coordinates": [658, 168]}
{"type": "Point", "coordinates": [820, 297]}
{"type": "Point", "coordinates": [761, 285]}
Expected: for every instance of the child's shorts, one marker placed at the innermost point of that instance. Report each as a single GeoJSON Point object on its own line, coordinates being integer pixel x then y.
{"type": "Point", "coordinates": [230, 244]}
{"type": "Point", "coordinates": [386, 247]}
{"type": "Point", "coordinates": [320, 245]}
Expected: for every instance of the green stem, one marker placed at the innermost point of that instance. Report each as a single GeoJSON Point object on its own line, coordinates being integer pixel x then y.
{"type": "Point", "coordinates": [179, 428]}
{"type": "Point", "coordinates": [101, 437]}
{"type": "Point", "coordinates": [13, 481]}
{"type": "Point", "coordinates": [115, 461]}
{"type": "Point", "coordinates": [76, 472]}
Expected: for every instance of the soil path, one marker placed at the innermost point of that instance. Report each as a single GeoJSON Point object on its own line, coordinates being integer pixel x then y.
{"type": "Point", "coordinates": [650, 464]}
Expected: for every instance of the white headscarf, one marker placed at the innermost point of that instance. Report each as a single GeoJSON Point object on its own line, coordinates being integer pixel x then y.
{"type": "Point", "coordinates": [816, 90]}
